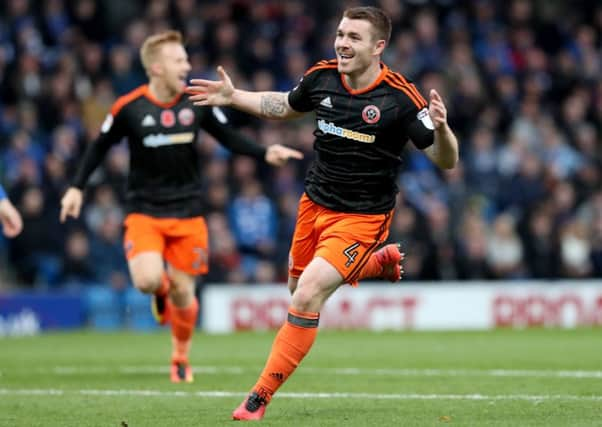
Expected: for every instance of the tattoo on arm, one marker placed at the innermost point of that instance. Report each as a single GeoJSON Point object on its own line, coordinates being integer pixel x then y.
{"type": "Point", "coordinates": [273, 105]}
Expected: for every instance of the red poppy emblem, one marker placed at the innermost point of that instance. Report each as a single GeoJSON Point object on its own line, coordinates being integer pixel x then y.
{"type": "Point", "coordinates": [168, 118]}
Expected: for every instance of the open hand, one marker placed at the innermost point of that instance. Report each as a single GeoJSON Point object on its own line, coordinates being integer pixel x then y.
{"type": "Point", "coordinates": [277, 154]}
{"type": "Point", "coordinates": [211, 92]}
{"type": "Point", "coordinates": [71, 203]}
{"type": "Point", "coordinates": [11, 220]}
{"type": "Point", "coordinates": [437, 109]}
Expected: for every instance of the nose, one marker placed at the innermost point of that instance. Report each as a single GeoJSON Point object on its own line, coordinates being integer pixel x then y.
{"type": "Point", "coordinates": [339, 43]}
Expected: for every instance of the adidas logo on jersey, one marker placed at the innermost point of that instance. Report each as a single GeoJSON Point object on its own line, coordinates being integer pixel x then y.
{"type": "Point", "coordinates": [148, 121]}
{"type": "Point", "coordinates": [326, 102]}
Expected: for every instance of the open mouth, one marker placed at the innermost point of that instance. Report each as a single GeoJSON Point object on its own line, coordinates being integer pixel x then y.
{"type": "Point", "coordinates": [345, 57]}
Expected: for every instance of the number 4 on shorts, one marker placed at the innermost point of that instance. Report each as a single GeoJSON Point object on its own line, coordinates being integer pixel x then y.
{"type": "Point", "coordinates": [351, 254]}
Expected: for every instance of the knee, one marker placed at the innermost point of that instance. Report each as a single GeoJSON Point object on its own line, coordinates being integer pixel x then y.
{"type": "Point", "coordinates": [304, 299]}
{"type": "Point", "coordinates": [313, 289]}
{"type": "Point", "coordinates": [181, 290]}
{"type": "Point", "coordinates": [147, 283]}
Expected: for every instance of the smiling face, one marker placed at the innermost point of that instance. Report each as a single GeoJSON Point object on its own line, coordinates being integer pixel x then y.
{"type": "Point", "coordinates": [356, 46]}
{"type": "Point", "coordinates": [172, 66]}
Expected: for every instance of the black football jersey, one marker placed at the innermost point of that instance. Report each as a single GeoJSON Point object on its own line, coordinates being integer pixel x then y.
{"type": "Point", "coordinates": [164, 178]}
{"type": "Point", "coordinates": [360, 135]}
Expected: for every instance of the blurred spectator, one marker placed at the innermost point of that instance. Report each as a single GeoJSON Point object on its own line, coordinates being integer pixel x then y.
{"type": "Point", "coordinates": [472, 260]}
{"type": "Point", "coordinates": [541, 253]}
{"type": "Point", "coordinates": [78, 264]}
{"type": "Point", "coordinates": [596, 246]}
{"type": "Point", "coordinates": [575, 250]}
{"type": "Point", "coordinates": [124, 77]}
{"type": "Point", "coordinates": [505, 250]}
{"type": "Point", "coordinates": [521, 191]}
{"type": "Point", "coordinates": [54, 181]}
{"type": "Point", "coordinates": [110, 266]}
{"type": "Point", "coordinates": [407, 229]}
{"type": "Point", "coordinates": [87, 17]}
{"type": "Point", "coordinates": [224, 258]}
{"type": "Point", "coordinates": [253, 219]}
{"type": "Point", "coordinates": [36, 252]}
{"type": "Point", "coordinates": [480, 160]}
{"type": "Point", "coordinates": [104, 207]}
{"type": "Point", "coordinates": [23, 155]}
{"type": "Point", "coordinates": [440, 256]}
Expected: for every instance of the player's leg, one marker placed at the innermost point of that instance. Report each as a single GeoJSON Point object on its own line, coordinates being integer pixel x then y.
{"type": "Point", "coordinates": [304, 241]}
{"type": "Point", "coordinates": [186, 253]}
{"type": "Point", "coordinates": [295, 338]}
{"type": "Point", "coordinates": [184, 309]}
{"type": "Point", "coordinates": [144, 244]}
{"type": "Point", "coordinates": [338, 257]}
{"type": "Point", "coordinates": [385, 263]}
{"type": "Point", "coordinates": [147, 272]}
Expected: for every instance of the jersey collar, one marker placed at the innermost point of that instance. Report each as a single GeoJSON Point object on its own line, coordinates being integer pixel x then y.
{"type": "Point", "coordinates": [158, 103]}
{"type": "Point", "coordinates": [383, 72]}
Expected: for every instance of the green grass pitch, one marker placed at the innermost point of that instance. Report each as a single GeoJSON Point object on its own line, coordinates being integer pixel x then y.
{"type": "Point", "coordinates": [501, 378]}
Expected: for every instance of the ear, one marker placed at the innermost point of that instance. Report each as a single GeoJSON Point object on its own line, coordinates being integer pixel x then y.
{"type": "Point", "coordinates": [156, 68]}
{"type": "Point", "coordinates": [379, 47]}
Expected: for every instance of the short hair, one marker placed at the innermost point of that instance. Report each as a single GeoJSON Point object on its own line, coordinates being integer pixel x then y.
{"type": "Point", "coordinates": [152, 44]}
{"type": "Point", "coordinates": [377, 17]}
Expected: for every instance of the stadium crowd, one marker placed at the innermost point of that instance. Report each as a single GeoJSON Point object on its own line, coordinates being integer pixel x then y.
{"type": "Point", "coordinates": [522, 80]}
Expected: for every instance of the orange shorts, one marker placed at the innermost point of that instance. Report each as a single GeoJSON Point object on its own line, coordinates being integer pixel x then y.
{"type": "Point", "coordinates": [183, 242]}
{"type": "Point", "coordinates": [345, 240]}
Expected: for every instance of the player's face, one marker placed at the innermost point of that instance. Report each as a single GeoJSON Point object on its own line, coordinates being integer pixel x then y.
{"type": "Point", "coordinates": [356, 46]}
{"type": "Point", "coordinates": [174, 66]}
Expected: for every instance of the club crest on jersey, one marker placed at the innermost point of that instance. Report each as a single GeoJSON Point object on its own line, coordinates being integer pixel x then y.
{"type": "Point", "coordinates": [185, 116]}
{"type": "Point", "coordinates": [371, 114]}
{"type": "Point", "coordinates": [168, 118]}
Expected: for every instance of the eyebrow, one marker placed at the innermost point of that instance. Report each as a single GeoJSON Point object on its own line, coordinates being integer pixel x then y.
{"type": "Point", "coordinates": [350, 33]}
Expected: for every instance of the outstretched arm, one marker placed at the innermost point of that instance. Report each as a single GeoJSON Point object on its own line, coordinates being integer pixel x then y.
{"type": "Point", "coordinates": [444, 151]}
{"type": "Point", "coordinates": [72, 200]}
{"type": "Point", "coordinates": [275, 155]}
{"type": "Point", "coordinates": [269, 105]}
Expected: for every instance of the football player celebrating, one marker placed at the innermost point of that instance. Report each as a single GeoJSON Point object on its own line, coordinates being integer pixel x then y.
{"type": "Point", "coordinates": [365, 114]}
{"type": "Point", "coordinates": [165, 238]}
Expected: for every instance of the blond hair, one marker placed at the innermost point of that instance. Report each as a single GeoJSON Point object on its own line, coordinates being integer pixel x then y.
{"type": "Point", "coordinates": [152, 44]}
